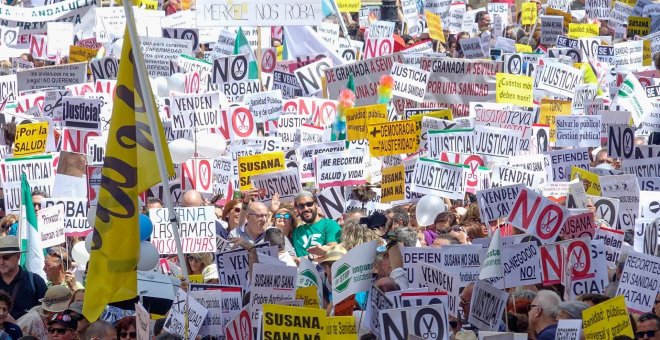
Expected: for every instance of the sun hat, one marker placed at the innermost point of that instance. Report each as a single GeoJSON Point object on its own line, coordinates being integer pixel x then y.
{"type": "Point", "coordinates": [10, 245]}
{"type": "Point", "coordinates": [56, 299]}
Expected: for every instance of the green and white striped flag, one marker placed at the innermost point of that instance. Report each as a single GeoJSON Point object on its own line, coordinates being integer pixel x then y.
{"type": "Point", "coordinates": [242, 46]}
{"type": "Point", "coordinates": [33, 260]}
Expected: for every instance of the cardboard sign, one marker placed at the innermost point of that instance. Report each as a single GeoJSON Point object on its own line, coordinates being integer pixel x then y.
{"type": "Point", "coordinates": [240, 327]}
{"type": "Point", "coordinates": [285, 183]}
{"type": "Point", "coordinates": [607, 320]}
{"type": "Point", "coordinates": [258, 164]}
{"type": "Point", "coordinates": [450, 140]}
{"type": "Point", "coordinates": [625, 188]}
{"type": "Point", "coordinates": [255, 13]}
{"type": "Point", "coordinates": [638, 280]}
{"type": "Point", "coordinates": [598, 9]}
{"type": "Point", "coordinates": [51, 226]}
{"type": "Point", "coordinates": [521, 264]}
{"type": "Point", "coordinates": [79, 54]}
{"type": "Point", "coordinates": [401, 322]}
{"type": "Point", "coordinates": [620, 141]}
{"type": "Point", "coordinates": [529, 14]}
{"type": "Point", "coordinates": [81, 113]}
{"type": "Point", "coordinates": [187, 316]}
{"type": "Point", "coordinates": [233, 265]}
{"type": "Point", "coordinates": [409, 82]}
{"type": "Point", "coordinates": [538, 216]}
{"type": "Point", "coordinates": [197, 174]}
{"type": "Point", "coordinates": [310, 76]}
{"type": "Point", "coordinates": [578, 226]}
{"type": "Point", "coordinates": [569, 329]}
{"type": "Point", "coordinates": [104, 68]}
{"type": "Point", "coordinates": [76, 140]}
{"type": "Point", "coordinates": [271, 284]}
{"type": "Point", "coordinates": [191, 34]}
{"type": "Point", "coordinates": [275, 325]}
{"type": "Point", "coordinates": [551, 27]}
{"type": "Point", "coordinates": [195, 111]}
{"type": "Point", "coordinates": [370, 72]}
{"type": "Point", "coordinates": [30, 139]}
{"type": "Point", "coordinates": [393, 138]}
{"type": "Point", "coordinates": [75, 214]}
{"type": "Point", "coordinates": [575, 254]}
{"type": "Point", "coordinates": [357, 119]}
{"type": "Point", "coordinates": [577, 31]}
{"type": "Point", "coordinates": [562, 162]}
{"type": "Point", "coordinates": [196, 229]}
{"type": "Point", "coordinates": [486, 305]}
{"type": "Point", "coordinates": [51, 76]}
{"type": "Point", "coordinates": [558, 79]}
{"type": "Point", "coordinates": [514, 89]}
{"type": "Point", "coordinates": [344, 168]}
{"type": "Point", "coordinates": [159, 52]}
{"type": "Point", "coordinates": [393, 184]}
{"type": "Point", "coordinates": [580, 131]}
{"type": "Point", "coordinates": [265, 105]}
{"type": "Point", "coordinates": [588, 178]}
{"type": "Point", "coordinates": [438, 178]}
{"type": "Point", "coordinates": [352, 273]}
{"type": "Point", "coordinates": [497, 144]}
{"type": "Point", "coordinates": [497, 202]}
{"type": "Point", "coordinates": [631, 98]}
{"type": "Point", "coordinates": [472, 48]}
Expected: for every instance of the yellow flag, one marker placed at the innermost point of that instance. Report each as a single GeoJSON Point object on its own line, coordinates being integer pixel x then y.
{"type": "Point", "coordinates": [129, 168]}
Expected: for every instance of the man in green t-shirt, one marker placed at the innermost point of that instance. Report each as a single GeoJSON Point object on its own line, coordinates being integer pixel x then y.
{"type": "Point", "coordinates": [317, 231]}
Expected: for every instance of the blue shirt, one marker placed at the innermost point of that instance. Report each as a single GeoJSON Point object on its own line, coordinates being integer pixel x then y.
{"type": "Point", "coordinates": [547, 333]}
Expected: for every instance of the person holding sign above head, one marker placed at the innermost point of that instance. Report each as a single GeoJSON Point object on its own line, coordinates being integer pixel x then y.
{"type": "Point", "coordinates": [317, 232]}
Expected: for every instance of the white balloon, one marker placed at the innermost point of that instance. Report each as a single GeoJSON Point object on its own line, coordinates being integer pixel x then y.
{"type": "Point", "coordinates": [428, 208]}
{"type": "Point", "coordinates": [176, 82]}
{"type": "Point", "coordinates": [88, 242]}
{"type": "Point", "coordinates": [148, 256]}
{"type": "Point", "coordinates": [79, 253]}
{"type": "Point", "coordinates": [211, 145]}
{"type": "Point", "coordinates": [160, 85]}
{"type": "Point", "coordinates": [181, 150]}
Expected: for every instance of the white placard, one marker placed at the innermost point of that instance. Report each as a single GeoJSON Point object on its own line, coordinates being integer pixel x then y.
{"type": "Point", "coordinates": [196, 229]}
{"type": "Point", "coordinates": [409, 82]}
{"type": "Point", "coordinates": [258, 13]}
{"type": "Point", "coordinates": [51, 226]}
{"type": "Point", "coordinates": [186, 315]}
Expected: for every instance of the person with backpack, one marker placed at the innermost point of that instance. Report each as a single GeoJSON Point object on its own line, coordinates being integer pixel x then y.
{"type": "Point", "coordinates": [16, 281]}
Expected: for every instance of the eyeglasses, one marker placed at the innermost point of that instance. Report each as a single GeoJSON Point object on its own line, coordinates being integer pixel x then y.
{"type": "Point", "coordinates": [537, 306]}
{"type": "Point", "coordinates": [455, 229]}
{"type": "Point", "coordinates": [285, 215]}
{"type": "Point", "coordinates": [259, 216]}
{"type": "Point", "coordinates": [132, 335]}
{"type": "Point", "coordinates": [60, 331]}
{"type": "Point", "coordinates": [649, 334]}
{"type": "Point", "coordinates": [6, 257]}
{"type": "Point", "coordinates": [303, 205]}
{"type": "Point", "coordinates": [193, 258]}
{"type": "Point", "coordinates": [237, 210]}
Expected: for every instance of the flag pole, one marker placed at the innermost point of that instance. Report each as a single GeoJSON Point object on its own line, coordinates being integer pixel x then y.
{"type": "Point", "coordinates": [155, 134]}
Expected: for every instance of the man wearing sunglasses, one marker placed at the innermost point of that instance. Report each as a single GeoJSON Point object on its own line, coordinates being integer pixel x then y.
{"type": "Point", "coordinates": [648, 327]}
{"type": "Point", "coordinates": [62, 327]}
{"type": "Point", "coordinates": [316, 232]}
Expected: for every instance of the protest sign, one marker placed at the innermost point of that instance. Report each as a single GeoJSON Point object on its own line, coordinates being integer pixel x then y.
{"type": "Point", "coordinates": [631, 97]}
{"type": "Point", "coordinates": [8, 90]}
{"type": "Point", "coordinates": [233, 265]}
{"type": "Point", "coordinates": [195, 111]}
{"type": "Point", "coordinates": [357, 119]}
{"type": "Point", "coordinates": [255, 13]}
{"type": "Point", "coordinates": [580, 131]}
{"type": "Point", "coordinates": [186, 316]}
{"type": "Point", "coordinates": [285, 183]}
{"type": "Point", "coordinates": [438, 178]}
{"type": "Point", "coordinates": [340, 168]}
{"type": "Point", "coordinates": [81, 113]}
{"type": "Point", "coordinates": [400, 323]}
{"type": "Point", "coordinates": [639, 281]}
{"type": "Point", "coordinates": [286, 322]}
{"type": "Point", "coordinates": [575, 254]}
{"type": "Point", "coordinates": [455, 141]}
{"type": "Point", "coordinates": [159, 52]}
{"type": "Point", "coordinates": [142, 322]}
{"type": "Point", "coordinates": [240, 327]}
{"type": "Point", "coordinates": [393, 138]}
{"type": "Point", "coordinates": [486, 305]}
{"type": "Point", "coordinates": [613, 240]}
{"type": "Point", "coordinates": [265, 105]}
{"type": "Point", "coordinates": [577, 31]}
{"type": "Point", "coordinates": [75, 214]}
{"type": "Point", "coordinates": [558, 79]}
{"type": "Point", "coordinates": [598, 9]}
{"type": "Point", "coordinates": [352, 273]}
{"type": "Point", "coordinates": [607, 320]}
{"type": "Point", "coordinates": [521, 264]}
{"type": "Point", "coordinates": [562, 162]}
{"type": "Point", "coordinates": [80, 54]}
{"type": "Point", "coordinates": [258, 164]}
{"type": "Point", "coordinates": [497, 202]}
{"type": "Point", "coordinates": [413, 257]}
{"type": "Point", "coordinates": [197, 174]}
{"type": "Point", "coordinates": [196, 230]}
{"type": "Point", "coordinates": [625, 188]}
{"type": "Point", "coordinates": [538, 216]}
{"type": "Point", "coordinates": [393, 183]}
{"type": "Point", "coordinates": [366, 75]}
{"type": "Point", "coordinates": [51, 76]}
{"type": "Point", "coordinates": [514, 89]}
{"type": "Point", "coordinates": [30, 139]}
{"type": "Point", "coordinates": [340, 328]}
{"type": "Point", "coordinates": [472, 48]}
{"type": "Point", "coordinates": [310, 76]}
{"type": "Point", "coordinates": [569, 329]}
{"type": "Point", "coordinates": [270, 285]}
{"type": "Point", "coordinates": [104, 68]}
{"type": "Point", "coordinates": [496, 144]}
{"type": "Point", "coordinates": [550, 109]}
{"type": "Point", "coordinates": [578, 226]}
{"type": "Point", "coordinates": [588, 178]}
{"type": "Point", "coordinates": [378, 301]}
{"type": "Point", "coordinates": [212, 300]}
{"type": "Point", "coordinates": [409, 82]}
{"type": "Point", "coordinates": [51, 226]}
{"type": "Point", "coordinates": [551, 27]}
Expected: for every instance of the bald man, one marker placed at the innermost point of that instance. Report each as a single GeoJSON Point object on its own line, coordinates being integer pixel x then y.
{"type": "Point", "coordinates": [192, 198]}
{"type": "Point", "coordinates": [258, 218]}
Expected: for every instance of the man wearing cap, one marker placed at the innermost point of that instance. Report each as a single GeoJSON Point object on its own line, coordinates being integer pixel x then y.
{"type": "Point", "coordinates": [316, 232]}
{"type": "Point", "coordinates": [75, 311]}
{"type": "Point", "coordinates": [56, 300]}
{"type": "Point", "coordinates": [62, 326]}
{"type": "Point", "coordinates": [24, 287]}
